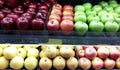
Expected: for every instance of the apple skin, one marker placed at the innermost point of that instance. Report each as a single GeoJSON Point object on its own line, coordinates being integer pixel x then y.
{"type": "Point", "coordinates": [2, 15]}
{"type": "Point", "coordinates": [22, 21]}
{"type": "Point", "coordinates": [97, 63]}
{"type": "Point", "coordinates": [6, 10]}
{"type": "Point", "coordinates": [32, 5]}
{"type": "Point", "coordinates": [88, 6]}
{"type": "Point", "coordinates": [103, 3]}
{"type": "Point", "coordinates": [118, 63]}
{"type": "Point", "coordinates": [117, 9]}
{"type": "Point", "coordinates": [81, 28]}
{"type": "Point", "coordinates": [79, 8]}
{"type": "Point", "coordinates": [57, 12]}
{"type": "Point", "coordinates": [42, 14]}
{"type": "Point", "coordinates": [67, 27]}
{"type": "Point", "coordinates": [109, 63]}
{"type": "Point", "coordinates": [85, 63]}
{"type": "Point", "coordinates": [57, 6]}
{"type": "Point", "coordinates": [13, 15]}
{"type": "Point", "coordinates": [68, 12]}
{"type": "Point", "coordinates": [103, 53]}
{"type": "Point", "coordinates": [68, 17]}
{"type": "Point", "coordinates": [43, 7]}
{"type": "Point", "coordinates": [32, 11]}
{"type": "Point", "coordinates": [114, 53]}
{"type": "Point", "coordinates": [90, 53]}
{"type": "Point", "coordinates": [101, 12]}
{"type": "Point", "coordinates": [81, 53]}
{"type": "Point", "coordinates": [80, 17]}
{"type": "Point", "coordinates": [91, 18]}
{"type": "Point", "coordinates": [54, 16]}
{"type": "Point", "coordinates": [37, 24]}
{"type": "Point", "coordinates": [27, 15]}
{"type": "Point", "coordinates": [68, 7]}
{"type": "Point", "coordinates": [111, 26]}
{"type": "Point", "coordinates": [97, 8]}
{"type": "Point", "coordinates": [18, 10]}
{"type": "Point", "coordinates": [90, 12]}
{"type": "Point", "coordinates": [87, 46]}
{"type": "Point", "coordinates": [4, 63]}
{"type": "Point", "coordinates": [22, 52]}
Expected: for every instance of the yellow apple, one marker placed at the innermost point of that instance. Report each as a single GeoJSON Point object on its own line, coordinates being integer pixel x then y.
{"type": "Point", "coordinates": [10, 52]}
{"type": "Point", "coordinates": [1, 51]}
{"type": "Point", "coordinates": [21, 52]}
{"type": "Point", "coordinates": [26, 47]}
{"type": "Point", "coordinates": [33, 52]}
{"type": "Point", "coordinates": [3, 63]}
{"type": "Point", "coordinates": [42, 54]}
{"type": "Point", "coordinates": [17, 62]}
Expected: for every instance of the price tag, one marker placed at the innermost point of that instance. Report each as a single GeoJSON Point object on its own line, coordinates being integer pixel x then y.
{"type": "Point", "coordinates": [54, 41]}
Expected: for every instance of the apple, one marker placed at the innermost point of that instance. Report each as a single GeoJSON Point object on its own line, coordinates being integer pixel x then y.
{"type": "Point", "coordinates": [90, 53]}
{"type": "Point", "coordinates": [92, 18]}
{"type": "Point", "coordinates": [1, 51]}
{"type": "Point", "coordinates": [32, 11]}
{"type": "Point", "coordinates": [79, 13]}
{"type": "Point", "coordinates": [97, 63]}
{"type": "Point", "coordinates": [81, 53]}
{"type": "Point", "coordinates": [79, 8]}
{"type": "Point", "coordinates": [68, 17]}
{"type": "Point", "coordinates": [18, 10]}
{"type": "Point", "coordinates": [87, 46]}
{"type": "Point", "coordinates": [41, 14]}
{"type": "Point", "coordinates": [32, 5]}
{"type": "Point", "coordinates": [30, 63]}
{"type": "Point", "coordinates": [3, 46]}
{"type": "Point", "coordinates": [4, 63]}
{"type": "Point", "coordinates": [117, 9]}
{"type": "Point", "coordinates": [97, 8]}
{"type": "Point", "coordinates": [53, 25]}
{"type": "Point", "coordinates": [22, 23]}
{"type": "Point", "coordinates": [78, 47]}
{"type": "Point", "coordinates": [101, 13]}
{"type": "Point", "coordinates": [8, 54]}
{"type": "Point", "coordinates": [81, 28]}
{"type": "Point", "coordinates": [17, 62]}
{"type": "Point", "coordinates": [106, 17]}
{"type": "Point", "coordinates": [84, 63]}
{"type": "Point", "coordinates": [22, 52]}
{"type": "Point", "coordinates": [2, 15]}
{"type": "Point", "coordinates": [57, 12]}
{"type": "Point", "coordinates": [109, 63]}
{"type": "Point", "coordinates": [118, 63]}
{"type": "Point", "coordinates": [67, 26]}
{"type": "Point", "coordinates": [32, 52]}
{"type": "Point", "coordinates": [114, 53]}
{"type": "Point", "coordinates": [111, 26]}
{"type": "Point", "coordinates": [57, 6]}
{"type": "Point", "coordinates": [68, 12]}
{"type": "Point", "coordinates": [80, 17]}
{"type": "Point", "coordinates": [88, 6]}
{"type": "Point", "coordinates": [104, 3]}
{"type": "Point", "coordinates": [27, 15]}
{"type": "Point", "coordinates": [6, 10]}
{"type": "Point", "coordinates": [103, 52]}
{"type": "Point", "coordinates": [43, 7]}
{"type": "Point", "coordinates": [13, 15]}
{"type": "Point", "coordinates": [37, 24]}
{"type": "Point", "coordinates": [117, 18]}
{"type": "Point", "coordinates": [54, 16]}
{"type": "Point", "coordinates": [109, 9]}
{"type": "Point", "coordinates": [90, 12]}
{"type": "Point", "coordinates": [68, 7]}
{"type": "Point", "coordinates": [2, 2]}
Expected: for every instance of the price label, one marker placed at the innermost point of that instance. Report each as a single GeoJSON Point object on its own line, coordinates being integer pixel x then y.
{"type": "Point", "coordinates": [54, 41]}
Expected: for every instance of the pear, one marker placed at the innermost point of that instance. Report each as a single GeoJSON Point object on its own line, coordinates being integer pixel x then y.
{"type": "Point", "coordinates": [59, 63]}
{"type": "Point", "coordinates": [4, 63]}
{"type": "Point", "coordinates": [66, 52]}
{"type": "Point", "coordinates": [51, 52]}
{"type": "Point", "coordinates": [17, 62]}
{"type": "Point", "coordinates": [72, 63]}
{"type": "Point", "coordinates": [45, 63]}
{"type": "Point", "coordinates": [42, 54]}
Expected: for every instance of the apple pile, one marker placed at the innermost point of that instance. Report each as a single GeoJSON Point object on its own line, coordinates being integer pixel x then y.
{"type": "Point", "coordinates": [58, 57]}
{"type": "Point", "coordinates": [98, 56]}
{"type": "Point", "coordinates": [61, 18]}
{"type": "Point", "coordinates": [26, 15]}
{"type": "Point", "coordinates": [18, 56]}
{"type": "Point", "coordinates": [97, 18]}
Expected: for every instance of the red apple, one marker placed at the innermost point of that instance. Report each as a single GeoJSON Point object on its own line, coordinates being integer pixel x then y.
{"type": "Point", "coordinates": [57, 6]}
{"type": "Point", "coordinates": [68, 7]}
{"type": "Point", "coordinates": [32, 11]}
{"type": "Point", "coordinates": [27, 15]}
{"type": "Point", "coordinates": [57, 12]}
{"type": "Point", "coordinates": [98, 46]}
{"type": "Point", "coordinates": [22, 23]}
{"type": "Point", "coordinates": [90, 53]}
{"type": "Point", "coordinates": [118, 63]}
{"type": "Point", "coordinates": [2, 15]}
{"type": "Point", "coordinates": [84, 63]}
{"type": "Point", "coordinates": [68, 17]}
{"type": "Point", "coordinates": [42, 15]}
{"type": "Point", "coordinates": [109, 64]}
{"type": "Point", "coordinates": [97, 63]}
{"type": "Point", "coordinates": [81, 53]}
{"type": "Point", "coordinates": [54, 16]}
{"type": "Point", "coordinates": [103, 52]}
{"type": "Point", "coordinates": [68, 12]}
{"type": "Point", "coordinates": [7, 23]}
{"type": "Point", "coordinates": [114, 53]}
{"type": "Point", "coordinates": [37, 24]}
{"type": "Point", "coordinates": [67, 27]}
{"type": "Point", "coordinates": [13, 15]}
{"type": "Point", "coordinates": [2, 2]}
{"type": "Point", "coordinates": [6, 10]}
{"type": "Point", "coordinates": [87, 46]}
{"type": "Point", "coordinates": [33, 5]}
{"type": "Point", "coordinates": [43, 7]}
{"type": "Point", "coordinates": [18, 10]}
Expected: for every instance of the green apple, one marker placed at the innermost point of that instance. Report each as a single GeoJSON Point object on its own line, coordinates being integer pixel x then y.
{"type": "Point", "coordinates": [108, 8]}
{"type": "Point", "coordinates": [92, 18]}
{"type": "Point", "coordinates": [111, 26]}
{"type": "Point", "coordinates": [101, 12]}
{"type": "Point", "coordinates": [81, 28]}
{"type": "Point", "coordinates": [104, 3]}
{"type": "Point", "coordinates": [17, 62]}
{"type": "Point", "coordinates": [97, 8]}
{"type": "Point", "coordinates": [80, 17]}
{"type": "Point", "coordinates": [10, 52]}
{"type": "Point", "coordinates": [96, 26]}
{"type": "Point", "coordinates": [1, 51]}
{"type": "Point", "coordinates": [30, 63]}
{"type": "Point", "coordinates": [117, 19]}
{"type": "Point", "coordinates": [33, 52]}
{"type": "Point", "coordinates": [117, 9]}
{"type": "Point", "coordinates": [4, 63]}
{"type": "Point", "coordinates": [90, 12]}
{"type": "Point", "coordinates": [114, 14]}
{"type": "Point", "coordinates": [107, 17]}
{"type": "Point", "coordinates": [87, 6]}
{"type": "Point", "coordinates": [22, 52]}
{"type": "Point", "coordinates": [113, 3]}
{"type": "Point", "coordinates": [79, 13]}
{"type": "Point", "coordinates": [79, 8]}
